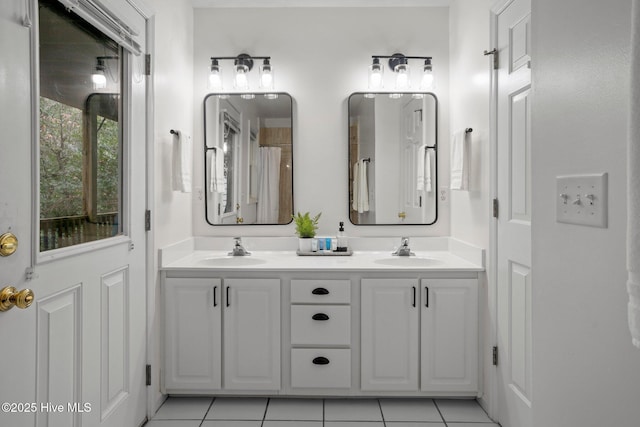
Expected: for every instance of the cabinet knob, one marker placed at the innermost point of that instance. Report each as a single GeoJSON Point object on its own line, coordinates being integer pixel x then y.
{"type": "Point", "coordinates": [320, 361]}
{"type": "Point", "coordinates": [320, 291]}
{"type": "Point", "coordinates": [320, 316]}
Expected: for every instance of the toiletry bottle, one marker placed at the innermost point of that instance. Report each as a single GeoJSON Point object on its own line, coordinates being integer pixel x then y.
{"type": "Point", "coordinates": [342, 239]}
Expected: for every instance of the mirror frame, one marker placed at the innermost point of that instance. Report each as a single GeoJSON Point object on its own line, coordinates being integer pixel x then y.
{"type": "Point", "coordinates": [434, 147]}
{"type": "Point", "coordinates": [207, 148]}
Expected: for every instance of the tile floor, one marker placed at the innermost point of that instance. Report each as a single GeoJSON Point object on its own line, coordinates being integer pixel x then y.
{"type": "Point", "coordinates": [281, 412]}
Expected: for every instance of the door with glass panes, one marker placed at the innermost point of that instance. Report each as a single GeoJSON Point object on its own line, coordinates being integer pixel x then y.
{"type": "Point", "coordinates": [72, 114]}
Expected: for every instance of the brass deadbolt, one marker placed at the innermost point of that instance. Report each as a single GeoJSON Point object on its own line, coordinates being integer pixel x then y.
{"type": "Point", "coordinates": [9, 297]}
{"type": "Point", "coordinates": [8, 244]}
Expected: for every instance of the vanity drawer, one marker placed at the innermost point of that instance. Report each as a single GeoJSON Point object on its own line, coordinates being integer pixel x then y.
{"type": "Point", "coordinates": [320, 368]}
{"type": "Point", "coordinates": [321, 324]}
{"type": "Point", "coordinates": [320, 291]}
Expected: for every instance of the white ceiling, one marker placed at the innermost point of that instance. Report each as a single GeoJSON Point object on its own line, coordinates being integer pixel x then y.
{"type": "Point", "coordinates": [319, 3]}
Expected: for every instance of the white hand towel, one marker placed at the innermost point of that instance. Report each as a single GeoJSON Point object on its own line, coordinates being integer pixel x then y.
{"type": "Point", "coordinates": [182, 158]}
{"type": "Point", "coordinates": [459, 162]}
{"type": "Point", "coordinates": [428, 187]}
{"type": "Point", "coordinates": [355, 185]}
{"type": "Point", "coordinates": [421, 163]}
{"type": "Point", "coordinates": [633, 184]}
{"type": "Point", "coordinates": [216, 173]}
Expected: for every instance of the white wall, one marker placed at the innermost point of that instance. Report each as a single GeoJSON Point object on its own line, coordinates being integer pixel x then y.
{"type": "Point", "coordinates": [586, 373]}
{"type": "Point", "coordinates": [470, 210]}
{"type": "Point", "coordinates": [172, 70]}
{"type": "Point", "coordinates": [320, 56]}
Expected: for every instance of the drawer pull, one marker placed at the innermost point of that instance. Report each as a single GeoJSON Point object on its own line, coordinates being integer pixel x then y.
{"type": "Point", "coordinates": [320, 316]}
{"type": "Point", "coordinates": [320, 291]}
{"type": "Point", "coordinates": [320, 361]}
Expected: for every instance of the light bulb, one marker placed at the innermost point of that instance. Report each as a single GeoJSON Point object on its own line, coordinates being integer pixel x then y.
{"type": "Point", "coordinates": [427, 76]}
{"type": "Point", "coordinates": [215, 76]}
{"type": "Point", "coordinates": [241, 81]}
{"type": "Point", "coordinates": [266, 75]}
{"type": "Point", "coordinates": [375, 75]}
{"type": "Point", "coordinates": [402, 78]}
{"type": "Point", "coordinates": [99, 80]}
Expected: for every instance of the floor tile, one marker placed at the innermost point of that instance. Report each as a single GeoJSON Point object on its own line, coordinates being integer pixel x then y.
{"type": "Point", "coordinates": [409, 410]}
{"type": "Point", "coordinates": [414, 424]}
{"type": "Point", "coordinates": [183, 408]}
{"type": "Point", "coordinates": [232, 423]}
{"type": "Point", "coordinates": [352, 410]}
{"type": "Point", "coordinates": [237, 408]}
{"type": "Point", "coordinates": [294, 409]}
{"type": "Point", "coordinates": [281, 423]}
{"type": "Point", "coordinates": [353, 424]}
{"type": "Point", "coordinates": [173, 423]}
{"type": "Point", "coordinates": [462, 411]}
{"type": "Point", "coordinates": [472, 425]}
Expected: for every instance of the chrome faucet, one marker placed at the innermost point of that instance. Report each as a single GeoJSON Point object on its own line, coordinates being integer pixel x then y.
{"type": "Point", "coordinates": [238, 249]}
{"type": "Point", "coordinates": [404, 249]}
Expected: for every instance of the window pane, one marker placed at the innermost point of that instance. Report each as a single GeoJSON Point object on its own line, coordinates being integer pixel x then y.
{"type": "Point", "coordinates": [80, 131]}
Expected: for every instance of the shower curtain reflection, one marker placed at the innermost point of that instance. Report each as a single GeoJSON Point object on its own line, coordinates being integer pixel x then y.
{"type": "Point", "coordinates": [269, 187]}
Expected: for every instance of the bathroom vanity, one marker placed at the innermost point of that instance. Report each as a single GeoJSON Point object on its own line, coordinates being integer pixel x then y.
{"type": "Point", "coordinates": [274, 323]}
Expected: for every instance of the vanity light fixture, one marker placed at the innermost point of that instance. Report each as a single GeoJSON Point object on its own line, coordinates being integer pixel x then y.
{"type": "Point", "coordinates": [242, 66]}
{"type": "Point", "coordinates": [399, 64]}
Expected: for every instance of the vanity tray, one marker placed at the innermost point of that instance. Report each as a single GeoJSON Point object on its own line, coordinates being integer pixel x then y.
{"type": "Point", "coordinates": [324, 253]}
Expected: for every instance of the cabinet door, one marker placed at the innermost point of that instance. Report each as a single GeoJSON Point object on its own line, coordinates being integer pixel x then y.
{"type": "Point", "coordinates": [389, 353]}
{"type": "Point", "coordinates": [252, 334]}
{"type": "Point", "coordinates": [449, 335]}
{"type": "Point", "coordinates": [192, 334]}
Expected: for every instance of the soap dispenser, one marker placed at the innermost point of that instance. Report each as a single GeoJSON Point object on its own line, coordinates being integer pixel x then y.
{"type": "Point", "coordinates": [342, 245]}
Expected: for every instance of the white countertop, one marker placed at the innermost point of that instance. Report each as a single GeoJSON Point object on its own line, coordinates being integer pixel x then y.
{"type": "Point", "coordinates": [282, 260]}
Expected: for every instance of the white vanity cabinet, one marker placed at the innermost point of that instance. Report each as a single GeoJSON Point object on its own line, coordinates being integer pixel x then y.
{"type": "Point", "coordinates": [449, 335]}
{"type": "Point", "coordinates": [389, 334]}
{"type": "Point", "coordinates": [252, 334]}
{"type": "Point", "coordinates": [431, 325]}
{"type": "Point", "coordinates": [197, 345]}
{"type": "Point", "coordinates": [193, 334]}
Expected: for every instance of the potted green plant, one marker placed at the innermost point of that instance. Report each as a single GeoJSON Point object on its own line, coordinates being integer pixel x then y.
{"type": "Point", "coordinates": [305, 229]}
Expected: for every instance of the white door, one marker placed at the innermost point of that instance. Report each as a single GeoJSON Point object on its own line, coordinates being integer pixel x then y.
{"type": "Point", "coordinates": [193, 334]}
{"type": "Point", "coordinates": [389, 334]}
{"type": "Point", "coordinates": [251, 338]}
{"type": "Point", "coordinates": [76, 356]}
{"type": "Point", "coordinates": [412, 199]}
{"type": "Point", "coordinates": [449, 332]}
{"type": "Point", "coordinates": [513, 90]}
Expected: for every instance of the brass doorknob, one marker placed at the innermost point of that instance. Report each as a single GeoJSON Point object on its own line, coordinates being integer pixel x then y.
{"type": "Point", "coordinates": [239, 220]}
{"type": "Point", "coordinates": [402, 215]}
{"type": "Point", "coordinates": [10, 296]}
{"type": "Point", "coordinates": [8, 244]}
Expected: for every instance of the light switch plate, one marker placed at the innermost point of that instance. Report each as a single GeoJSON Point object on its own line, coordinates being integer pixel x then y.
{"type": "Point", "coordinates": [582, 199]}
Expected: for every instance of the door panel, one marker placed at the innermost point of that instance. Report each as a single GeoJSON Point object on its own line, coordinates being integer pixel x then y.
{"type": "Point", "coordinates": [389, 359]}
{"type": "Point", "coordinates": [193, 324]}
{"type": "Point", "coordinates": [252, 334]}
{"type": "Point", "coordinates": [513, 145]}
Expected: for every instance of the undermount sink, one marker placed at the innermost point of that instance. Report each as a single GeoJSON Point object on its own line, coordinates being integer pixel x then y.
{"type": "Point", "coordinates": [231, 261]}
{"type": "Point", "coordinates": [407, 261]}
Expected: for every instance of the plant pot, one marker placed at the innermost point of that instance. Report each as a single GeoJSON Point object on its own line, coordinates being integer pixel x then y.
{"type": "Point", "coordinates": [304, 244]}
